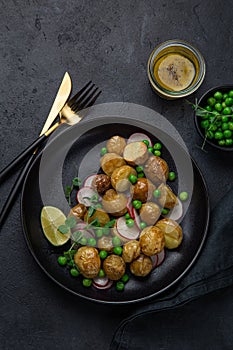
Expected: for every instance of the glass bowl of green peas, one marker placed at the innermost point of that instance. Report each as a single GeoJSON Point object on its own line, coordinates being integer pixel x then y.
{"type": "Point", "coordinates": [214, 117]}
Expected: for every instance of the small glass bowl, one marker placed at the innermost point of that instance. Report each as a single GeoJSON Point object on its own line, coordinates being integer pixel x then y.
{"type": "Point", "coordinates": [186, 50]}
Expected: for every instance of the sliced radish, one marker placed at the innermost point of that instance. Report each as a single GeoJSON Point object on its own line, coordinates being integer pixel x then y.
{"type": "Point", "coordinates": [89, 180]}
{"type": "Point", "coordinates": [84, 195]}
{"type": "Point", "coordinates": [85, 233]}
{"type": "Point", "coordinates": [154, 259]}
{"type": "Point", "coordinates": [102, 282]}
{"type": "Point", "coordinates": [81, 226]}
{"type": "Point", "coordinates": [136, 218]}
{"type": "Point", "coordinates": [126, 232]}
{"type": "Point", "coordinates": [130, 207]}
{"type": "Point", "coordinates": [176, 212]}
{"type": "Point", "coordinates": [160, 257]}
{"type": "Point", "coordinates": [139, 137]}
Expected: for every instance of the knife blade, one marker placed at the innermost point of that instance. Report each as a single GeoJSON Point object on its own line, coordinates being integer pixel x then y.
{"type": "Point", "coordinates": [60, 100]}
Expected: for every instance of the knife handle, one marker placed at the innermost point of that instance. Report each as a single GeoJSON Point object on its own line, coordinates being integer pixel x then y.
{"type": "Point", "coordinates": [15, 190]}
{"type": "Point", "coordinates": [21, 157]}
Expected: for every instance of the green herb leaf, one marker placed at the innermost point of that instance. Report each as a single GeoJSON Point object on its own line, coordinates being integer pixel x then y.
{"type": "Point", "coordinates": [110, 223]}
{"type": "Point", "coordinates": [63, 229]}
{"type": "Point", "coordinates": [68, 190]}
{"type": "Point", "coordinates": [77, 235]}
{"type": "Point", "coordinates": [70, 222]}
{"type": "Point", "coordinates": [90, 212]}
{"type": "Point", "coordinates": [76, 182]}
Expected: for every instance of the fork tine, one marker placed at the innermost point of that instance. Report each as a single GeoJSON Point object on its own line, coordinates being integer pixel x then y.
{"type": "Point", "coordinates": [79, 93]}
{"type": "Point", "coordinates": [82, 97]}
{"type": "Point", "coordinates": [89, 101]}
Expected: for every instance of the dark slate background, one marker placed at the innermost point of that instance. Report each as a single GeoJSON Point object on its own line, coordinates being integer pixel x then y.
{"type": "Point", "coordinates": [108, 42]}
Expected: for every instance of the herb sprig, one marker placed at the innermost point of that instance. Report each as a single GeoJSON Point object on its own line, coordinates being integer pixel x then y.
{"type": "Point", "coordinates": [76, 183]}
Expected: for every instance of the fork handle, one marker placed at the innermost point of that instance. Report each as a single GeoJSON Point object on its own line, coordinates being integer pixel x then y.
{"type": "Point", "coordinates": [15, 190]}
{"type": "Point", "coordinates": [21, 157]}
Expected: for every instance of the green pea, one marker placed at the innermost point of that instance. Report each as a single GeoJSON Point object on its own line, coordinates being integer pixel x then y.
{"type": "Point", "coordinates": [229, 101]}
{"type": "Point", "coordinates": [165, 211]}
{"type": "Point", "coordinates": [205, 116]}
{"type": "Point", "coordinates": [157, 146]}
{"type": "Point", "coordinates": [140, 175]}
{"type": "Point", "coordinates": [171, 176]}
{"type": "Point", "coordinates": [130, 222]}
{"type": "Point", "coordinates": [218, 107]}
{"type": "Point", "coordinates": [209, 108]}
{"type": "Point", "coordinates": [227, 134]}
{"type": "Point", "coordinates": [120, 286]}
{"type": "Point", "coordinates": [116, 240]}
{"type": "Point", "coordinates": [221, 142]}
{"type": "Point", "coordinates": [229, 142]}
{"type": "Point", "coordinates": [211, 101]}
{"type": "Point", "coordinates": [125, 278]}
{"type": "Point", "coordinates": [230, 126]}
{"type": "Point", "coordinates": [103, 151]}
{"type": "Point", "coordinates": [133, 179]}
{"type": "Point", "coordinates": [157, 153]}
{"type": "Point", "coordinates": [218, 95]}
{"type": "Point", "coordinates": [142, 225]}
{"type": "Point", "coordinates": [74, 272]}
{"type": "Point", "coordinates": [106, 231]}
{"type": "Point", "coordinates": [225, 96]}
{"type": "Point", "coordinates": [183, 196]}
{"type": "Point", "coordinates": [226, 111]}
{"type": "Point", "coordinates": [157, 193]}
{"type": "Point", "coordinates": [213, 127]}
{"type": "Point", "coordinates": [87, 282]}
{"type": "Point", "coordinates": [91, 241]}
{"type": "Point", "coordinates": [218, 135]}
{"type": "Point", "coordinates": [150, 149]}
{"type": "Point", "coordinates": [146, 142]}
{"type": "Point", "coordinates": [137, 204]}
{"type": "Point", "coordinates": [204, 124]}
{"type": "Point", "coordinates": [103, 254]}
{"type": "Point", "coordinates": [139, 169]}
{"type": "Point", "coordinates": [62, 260]}
{"type": "Point", "coordinates": [99, 233]}
{"type": "Point", "coordinates": [83, 241]}
{"type": "Point", "coordinates": [101, 273]}
{"type": "Point", "coordinates": [117, 250]}
{"type": "Point", "coordinates": [225, 126]}
{"type": "Point", "coordinates": [127, 216]}
{"type": "Point", "coordinates": [225, 119]}
{"type": "Point", "coordinates": [230, 93]}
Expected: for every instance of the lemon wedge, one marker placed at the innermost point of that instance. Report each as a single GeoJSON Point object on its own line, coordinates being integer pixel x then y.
{"type": "Point", "coordinates": [51, 218]}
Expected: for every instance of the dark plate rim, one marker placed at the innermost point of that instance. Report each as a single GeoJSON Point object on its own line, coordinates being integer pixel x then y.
{"type": "Point", "coordinates": [133, 301]}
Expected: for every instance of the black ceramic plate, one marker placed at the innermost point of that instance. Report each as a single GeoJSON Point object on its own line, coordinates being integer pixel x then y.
{"type": "Point", "coordinates": [89, 138]}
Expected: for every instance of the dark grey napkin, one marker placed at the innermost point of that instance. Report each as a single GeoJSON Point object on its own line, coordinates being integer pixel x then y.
{"type": "Point", "coordinates": [213, 270]}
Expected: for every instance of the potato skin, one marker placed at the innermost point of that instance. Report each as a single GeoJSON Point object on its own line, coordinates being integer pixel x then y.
{"type": "Point", "coordinates": [151, 240]}
{"type": "Point", "coordinates": [114, 203]}
{"type": "Point", "coordinates": [149, 213]}
{"type": "Point", "coordinates": [110, 161]}
{"type": "Point", "coordinates": [167, 199]}
{"type": "Point", "coordinates": [114, 267]}
{"type": "Point", "coordinates": [136, 153]}
{"type": "Point", "coordinates": [131, 250]}
{"type": "Point", "coordinates": [172, 232]}
{"type": "Point", "coordinates": [120, 178]}
{"type": "Point", "coordinates": [116, 144]}
{"type": "Point", "coordinates": [88, 261]}
{"type": "Point", "coordinates": [141, 266]}
{"type": "Point", "coordinates": [156, 169]}
{"type": "Point", "coordinates": [78, 211]}
{"type": "Point", "coordinates": [142, 190]}
{"type": "Point", "coordinates": [101, 183]}
{"type": "Point", "coordinates": [105, 243]}
{"type": "Point", "coordinates": [99, 214]}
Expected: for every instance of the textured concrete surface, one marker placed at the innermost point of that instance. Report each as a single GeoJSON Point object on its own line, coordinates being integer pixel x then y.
{"type": "Point", "coordinates": [108, 42]}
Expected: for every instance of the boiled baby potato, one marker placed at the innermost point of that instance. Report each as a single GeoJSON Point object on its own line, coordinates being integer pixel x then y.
{"type": "Point", "coordinates": [114, 203]}
{"type": "Point", "coordinates": [78, 211]}
{"type": "Point", "coordinates": [114, 267]}
{"type": "Point", "coordinates": [88, 261]}
{"type": "Point", "coordinates": [156, 169]}
{"type": "Point", "coordinates": [131, 250]}
{"type": "Point", "coordinates": [120, 178]}
{"type": "Point", "coordinates": [149, 213]}
{"type": "Point", "coordinates": [142, 190]}
{"type": "Point", "coordinates": [110, 161]}
{"type": "Point", "coordinates": [116, 144]}
{"type": "Point", "coordinates": [151, 240]}
{"type": "Point", "coordinates": [172, 232]}
{"type": "Point", "coordinates": [136, 153]}
{"type": "Point", "coordinates": [101, 183]}
{"type": "Point", "coordinates": [141, 266]}
{"type": "Point", "coordinates": [167, 198]}
{"type": "Point", "coordinates": [105, 243]}
{"type": "Point", "coordinates": [99, 214]}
